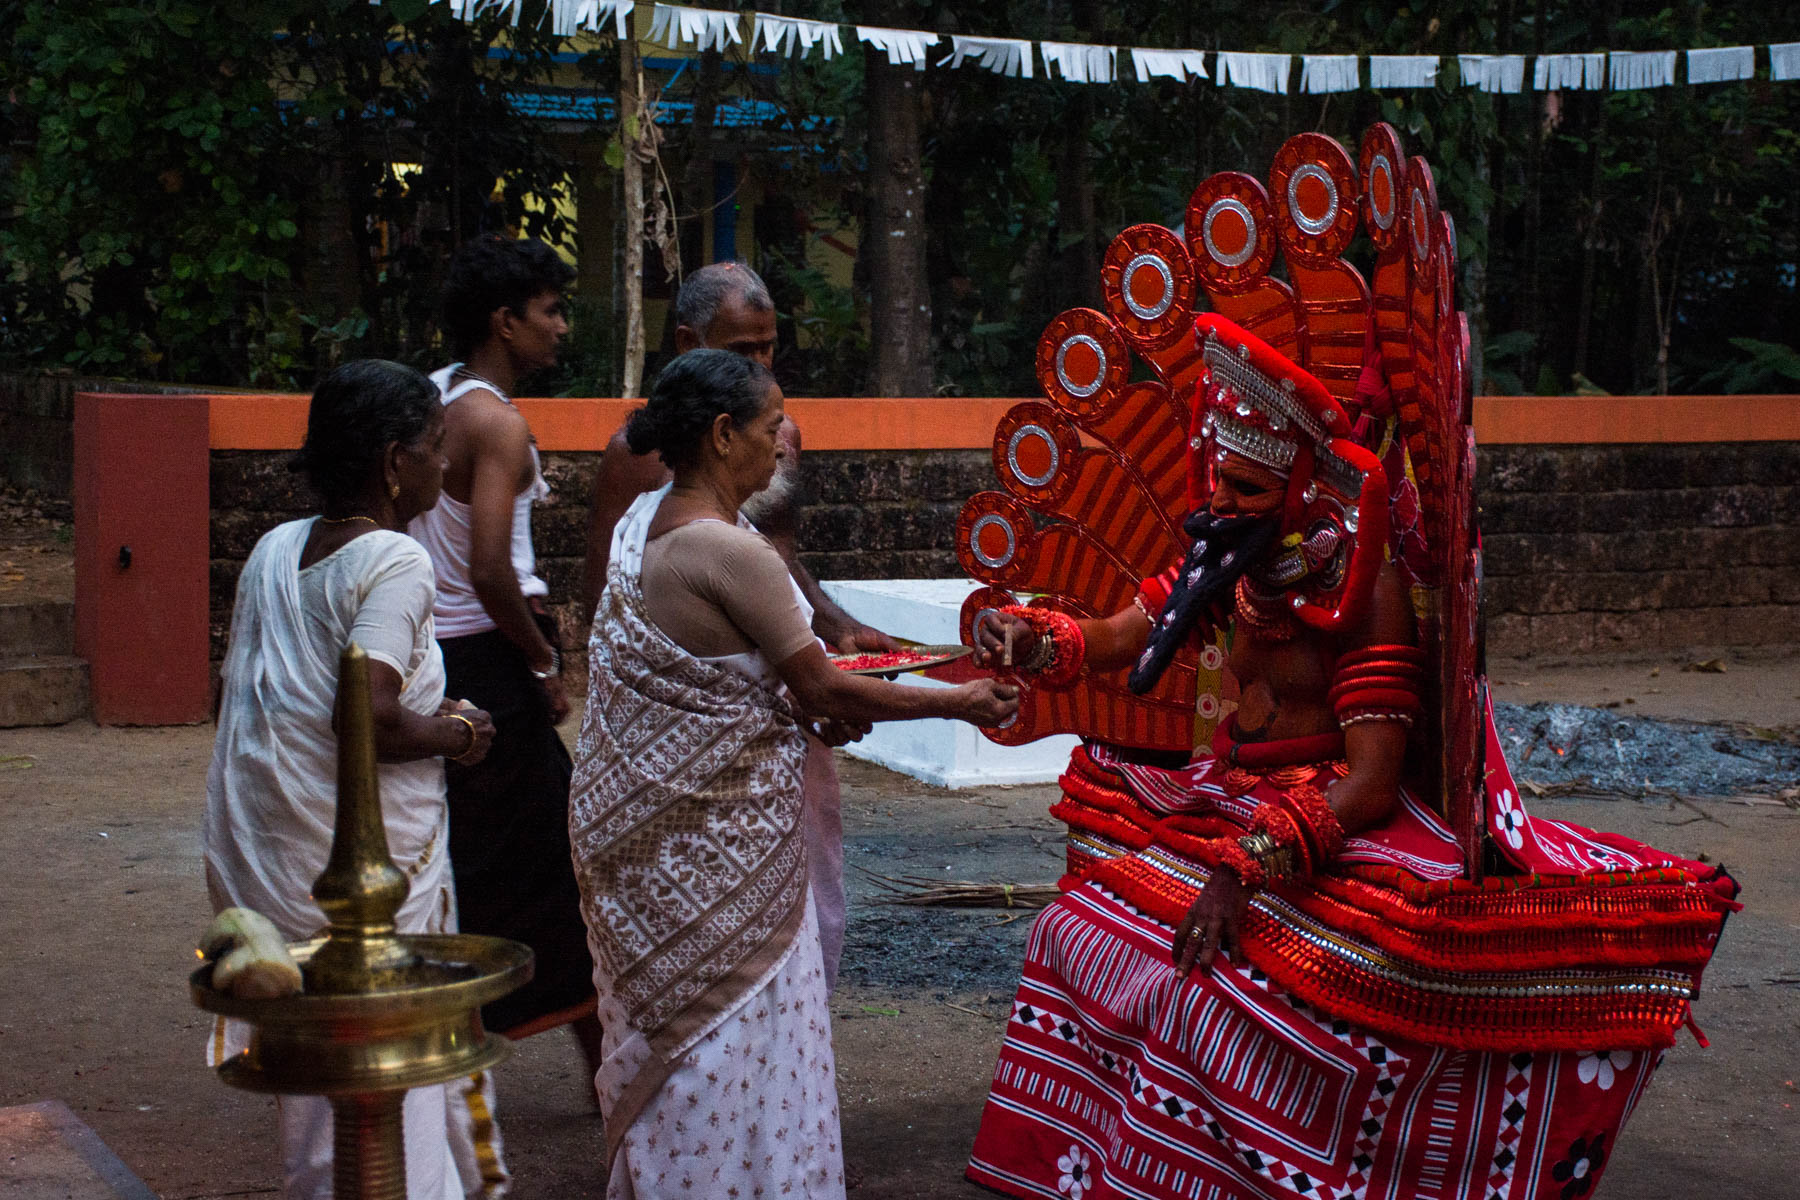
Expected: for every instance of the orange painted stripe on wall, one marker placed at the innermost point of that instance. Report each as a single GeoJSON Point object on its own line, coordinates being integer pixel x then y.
{"type": "Point", "coordinates": [278, 422]}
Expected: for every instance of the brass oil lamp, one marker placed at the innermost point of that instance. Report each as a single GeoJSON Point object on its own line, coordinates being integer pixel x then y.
{"type": "Point", "coordinates": [380, 1012]}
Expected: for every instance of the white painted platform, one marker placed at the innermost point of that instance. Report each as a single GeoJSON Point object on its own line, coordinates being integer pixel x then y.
{"type": "Point", "coordinates": [944, 753]}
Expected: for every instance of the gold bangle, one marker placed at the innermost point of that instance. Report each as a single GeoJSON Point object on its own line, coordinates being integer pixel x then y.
{"type": "Point", "coordinates": [473, 737]}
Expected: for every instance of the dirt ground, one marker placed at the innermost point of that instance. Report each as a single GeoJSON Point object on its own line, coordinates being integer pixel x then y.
{"type": "Point", "coordinates": [101, 896]}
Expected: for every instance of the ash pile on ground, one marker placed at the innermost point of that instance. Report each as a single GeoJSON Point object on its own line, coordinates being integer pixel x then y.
{"type": "Point", "coordinates": [1602, 751]}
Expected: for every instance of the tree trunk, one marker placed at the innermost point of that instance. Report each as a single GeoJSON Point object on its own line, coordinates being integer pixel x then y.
{"type": "Point", "coordinates": [631, 91]}
{"type": "Point", "coordinates": [894, 232]}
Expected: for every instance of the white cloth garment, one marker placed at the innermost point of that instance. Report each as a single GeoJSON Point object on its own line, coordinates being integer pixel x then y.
{"type": "Point", "coordinates": [751, 1109]}
{"type": "Point", "coordinates": [271, 794]}
{"type": "Point", "coordinates": [1403, 70]}
{"type": "Point", "coordinates": [780, 35]}
{"type": "Point", "coordinates": [447, 533]}
{"type": "Point", "coordinates": [1784, 61]}
{"type": "Point", "coordinates": [1330, 73]}
{"type": "Point", "coordinates": [1258, 72]}
{"type": "Point", "coordinates": [1632, 71]}
{"type": "Point", "coordinates": [1179, 65]}
{"type": "Point", "coordinates": [1492, 72]}
{"type": "Point", "coordinates": [1723, 64]}
{"type": "Point", "coordinates": [271, 790]}
{"type": "Point", "coordinates": [1079, 62]}
{"type": "Point", "coordinates": [1002, 56]}
{"type": "Point", "coordinates": [902, 46]}
{"type": "Point", "coordinates": [1576, 72]}
{"type": "Point", "coordinates": [675, 25]}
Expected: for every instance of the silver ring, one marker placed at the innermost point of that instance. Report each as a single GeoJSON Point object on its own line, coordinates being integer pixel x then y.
{"type": "Point", "coordinates": [1012, 456]}
{"type": "Point", "coordinates": [1313, 225]}
{"type": "Point", "coordinates": [1421, 236]}
{"type": "Point", "coordinates": [982, 556]}
{"type": "Point", "coordinates": [1380, 165]}
{"type": "Point", "coordinates": [1084, 390]}
{"type": "Point", "coordinates": [1149, 312]}
{"type": "Point", "coordinates": [1229, 204]}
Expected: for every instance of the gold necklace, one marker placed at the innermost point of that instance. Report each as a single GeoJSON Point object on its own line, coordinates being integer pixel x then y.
{"type": "Point", "coordinates": [347, 520]}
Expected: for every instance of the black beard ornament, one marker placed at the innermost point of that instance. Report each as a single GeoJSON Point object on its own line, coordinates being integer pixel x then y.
{"type": "Point", "coordinates": [1223, 549]}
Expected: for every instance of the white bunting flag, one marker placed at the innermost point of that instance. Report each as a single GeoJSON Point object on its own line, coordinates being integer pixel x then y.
{"type": "Point", "coordinates": [1329, 73]}
{"type": "Point", "coordinates": [1258, 72]}
{"type": "Point", "coordinates": [704, 28]}
{"type": "Point", "coordinates": [1080, 62]}
{"type": "Point", "coordinates": [468, 10]}
{"type": "Point", "coordinates": [1403, 70]}
{"type": "Point", "coordinates": [1576, 72]}
{"type": "Point", "coordinates": [569, 17]}
{"type": "Point", "coordinates": [780, 35]}
{"type": "Point", "coordinates": [903, 46]}
{"type": "Point", "coordinates": [1784, 61]}
{"type": "Point", "coordinates": [1492, 72]}
{"type": "Point", "coordinates": [1726, 64]}
{"type": "Point", "coordinates": [1632, 71]}
{"type": "Point", "coordinates": [1003, 56]}
{"type": "Point", "coordinates": [1179, 65]}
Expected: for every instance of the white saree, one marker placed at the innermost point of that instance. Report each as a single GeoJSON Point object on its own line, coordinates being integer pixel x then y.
{"type": "Point", "coordinates": [271, 790]}
{"type": "Point", "coordinates": [685, 821]}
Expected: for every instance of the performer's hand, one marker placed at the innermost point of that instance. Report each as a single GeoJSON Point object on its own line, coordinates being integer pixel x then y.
{"type": "Point", "coordinates": [835, 732]}
{"type": "Point", "coordinates": [987, 702]}
{"type": "Point", "coordinates": [862, 639]}
{"type": "Point", "coordinates": [990, 640]}
{"type": "Point", "coordinates": [1212, 924]}
{"type": "Point", "coordinates": [557, 697]}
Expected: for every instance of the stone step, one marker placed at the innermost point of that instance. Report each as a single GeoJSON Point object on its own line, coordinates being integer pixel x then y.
{"type": "Point", "coordinates": [45, 689]}
{"type": "Point", "coordinates": [37, 627]}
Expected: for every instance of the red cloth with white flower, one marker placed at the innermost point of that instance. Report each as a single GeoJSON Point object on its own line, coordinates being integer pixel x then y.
{"type": "Point", "coordinates": [1119, 1079]}
{"type": "Point", "coordinates": [1396, 1030]}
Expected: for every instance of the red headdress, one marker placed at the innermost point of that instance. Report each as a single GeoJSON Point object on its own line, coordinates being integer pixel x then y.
{"type": "Point", "coordinates": [1253, 402]}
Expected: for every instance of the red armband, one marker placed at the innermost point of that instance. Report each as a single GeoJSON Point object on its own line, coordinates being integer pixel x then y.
{"type": "Point", "coordinates": [1378, 683]}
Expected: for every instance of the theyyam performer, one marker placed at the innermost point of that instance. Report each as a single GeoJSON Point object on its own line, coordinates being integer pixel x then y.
{"type": "Point", "coordinates": [1311, 944]}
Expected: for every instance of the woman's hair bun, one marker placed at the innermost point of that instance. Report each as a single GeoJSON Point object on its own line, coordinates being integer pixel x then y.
{"type": "Point", "coordinates": [688, 397]}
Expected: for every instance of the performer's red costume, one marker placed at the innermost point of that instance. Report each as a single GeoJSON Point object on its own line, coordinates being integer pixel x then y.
{"type": "Point", "coordinates": [1435, 994]}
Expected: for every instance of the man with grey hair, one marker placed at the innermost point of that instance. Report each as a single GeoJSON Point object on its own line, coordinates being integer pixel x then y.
{"type": "Point", "coordinates": [726, 306]}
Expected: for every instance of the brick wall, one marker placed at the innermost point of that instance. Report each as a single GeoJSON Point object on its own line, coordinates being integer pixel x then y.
{"type": "Point", "coordinates": [1587, 547]}
{"type": "Point", "coordinates": [1641, 546]}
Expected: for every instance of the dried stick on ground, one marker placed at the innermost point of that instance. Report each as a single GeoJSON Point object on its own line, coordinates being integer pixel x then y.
{"type": "Point", "coordinates": [961, 893]}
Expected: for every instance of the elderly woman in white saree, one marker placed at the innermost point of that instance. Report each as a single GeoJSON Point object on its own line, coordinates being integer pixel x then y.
{"type": "Point", "coordinates": [685, 814]}
{"type": "Point", "coordinates": [374, 454]}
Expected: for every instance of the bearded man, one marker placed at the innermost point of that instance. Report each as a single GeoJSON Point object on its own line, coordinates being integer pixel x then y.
{"type": "Point", "coordinates": [1268, 976]}
{"type": "Point", "coordinates": [726, 306]}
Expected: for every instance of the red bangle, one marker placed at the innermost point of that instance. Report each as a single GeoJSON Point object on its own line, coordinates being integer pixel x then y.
{"type": "Point", "coordinates": [1228, 854]}
{"type": "Point", "coordinates": [1377, 698]}
{"type": "Point", "coordinates": [1374, 683]}
{"type": "Point", "coordinates": [1067, 644]}
{"type": "Point", "coordinates": [1400, 653]}
{"type": "Point", "coordinates": [1282, 825]}
{"type": "Point", "coordinates": [1313, 813]}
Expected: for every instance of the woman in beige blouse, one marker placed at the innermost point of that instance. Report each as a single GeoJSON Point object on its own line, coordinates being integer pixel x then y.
{"type": "Point", "coordinates": [685, 813]}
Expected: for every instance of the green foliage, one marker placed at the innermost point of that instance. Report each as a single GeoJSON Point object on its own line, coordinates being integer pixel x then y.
{"type": "Point", "coordinates": [187, 194]}
{"type": "Point", "coordinates": [195, 188]}
{"type": "Point", "coordinates": [1768, 367]}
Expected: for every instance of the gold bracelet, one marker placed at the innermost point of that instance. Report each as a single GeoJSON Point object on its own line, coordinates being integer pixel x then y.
{"type": "Point", "coordinates": [473, 737]}
{"type": "Point", "coordinates": [1274, 858]}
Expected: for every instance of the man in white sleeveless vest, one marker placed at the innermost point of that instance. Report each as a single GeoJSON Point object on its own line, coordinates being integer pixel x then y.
{"type": "Point", "coordinates": [509, 838]}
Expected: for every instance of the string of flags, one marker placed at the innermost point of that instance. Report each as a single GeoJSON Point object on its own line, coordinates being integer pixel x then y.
{"type": "Point", "coordinates": [680, 26]}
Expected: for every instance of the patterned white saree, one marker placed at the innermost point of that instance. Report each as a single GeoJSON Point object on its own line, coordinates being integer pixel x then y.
{"type": "Point", "coordinates": [685, 824]}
